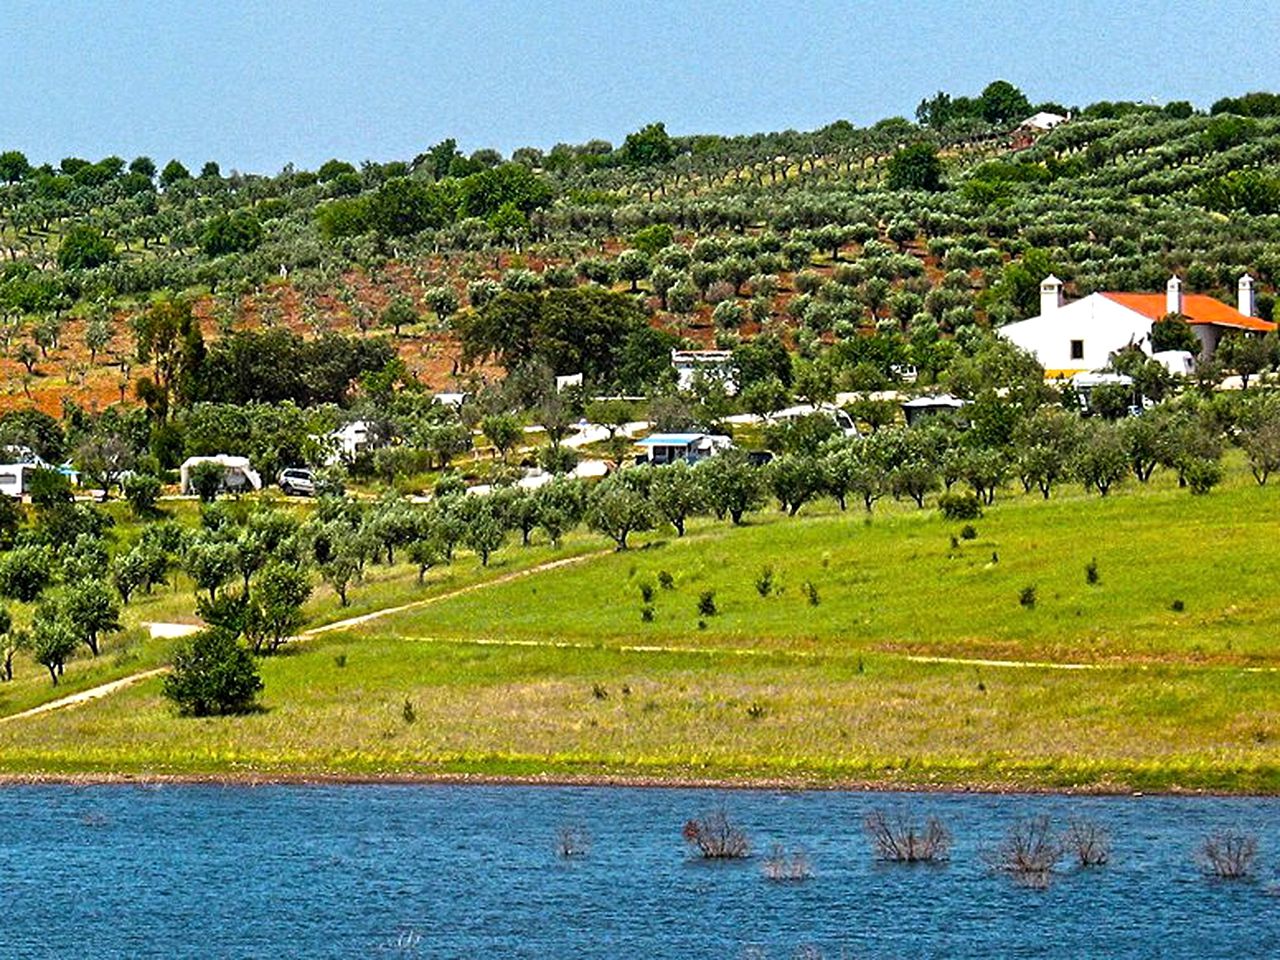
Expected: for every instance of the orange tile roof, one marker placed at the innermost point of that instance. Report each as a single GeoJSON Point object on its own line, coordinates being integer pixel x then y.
{"type": "Point", "coordinates": [1196, 307]}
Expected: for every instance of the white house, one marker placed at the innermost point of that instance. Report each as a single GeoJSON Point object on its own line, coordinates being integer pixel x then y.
{"type": "Point", "coordinates": [237, 475]}
{"type": "Point", "coordinates": [669, 447]}
{"type": "Point", "coordinates": [1068, 338]}
{"type": "Point", "coordinates": [710, 364]}
{"type": "Point", "coordinates": [350, 440]}
{"type": "Point", "coordinates": [1043, 121]}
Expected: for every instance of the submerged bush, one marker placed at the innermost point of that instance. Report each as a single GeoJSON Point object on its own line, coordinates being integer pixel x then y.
{"type": "Point", "coordinates": [572, 841]}
{"type": "Point", "coordinates": [715, 837]}
{"type": "Point", "coordinates": [1029, 852]}
{"type": "Point", "coordinates": [781, 866]}
{"type": "Point", "coordinates": [1228, 855]}
{"type": "Point", "coordinates": [1089, 842]}
{"type": "Point", "coordinates": [899, 840]}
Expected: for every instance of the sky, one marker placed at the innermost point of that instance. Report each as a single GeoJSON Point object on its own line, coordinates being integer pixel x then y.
{"type": "Point", "coordinates": [256, 84]}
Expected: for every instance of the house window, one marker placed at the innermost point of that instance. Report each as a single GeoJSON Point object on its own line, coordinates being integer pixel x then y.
{"type": "Point", "coordinates": [1077, 349]}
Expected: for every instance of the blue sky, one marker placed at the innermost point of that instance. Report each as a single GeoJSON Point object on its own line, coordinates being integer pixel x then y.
{"type": "Point", "coordinates": [258, 84]}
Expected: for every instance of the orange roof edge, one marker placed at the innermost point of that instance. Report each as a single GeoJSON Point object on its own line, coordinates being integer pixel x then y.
{"type": "Point", "coordinates": [1196, 307]}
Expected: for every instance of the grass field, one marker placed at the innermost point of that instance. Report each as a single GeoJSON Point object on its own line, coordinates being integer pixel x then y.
{"type": "Point", "coordinates": [1104, 685]}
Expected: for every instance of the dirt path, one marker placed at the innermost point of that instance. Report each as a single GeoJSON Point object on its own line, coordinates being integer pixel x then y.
{"type": "Point", "coordinates": [763, 652]}
{"type": "Point", "coordinates": [84, 696]}
{"type": "Point", "coordinates": [105, 689]}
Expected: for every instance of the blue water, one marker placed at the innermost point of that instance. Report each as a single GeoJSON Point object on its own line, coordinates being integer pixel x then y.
{"type": "Point", "coordinates": [443, 871]}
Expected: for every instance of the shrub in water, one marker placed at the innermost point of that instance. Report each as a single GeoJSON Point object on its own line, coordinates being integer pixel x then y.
{"type": "Point", "coordinates": [1027, 596]}
{"type": "Point", "coordinates": [1029, 852]}
{"type": "Point", "coordinates": [572, 841]}
{"type": "Point", "coordinates": [780, 866]}
{"type": "Point", "coordinates": [1228, 855]}
{"type": "Point", "coordinates": [898, 840]}
{"type": "Point", "coordinates": [715, 837]}
{"type": "Point", "coordinates": [707, 603]}
{"type": "Point", "coordinates": [1089, 842]}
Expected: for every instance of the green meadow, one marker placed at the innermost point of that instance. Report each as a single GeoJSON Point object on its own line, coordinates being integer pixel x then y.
{"type": "Point", "coordinates": [888, 650]}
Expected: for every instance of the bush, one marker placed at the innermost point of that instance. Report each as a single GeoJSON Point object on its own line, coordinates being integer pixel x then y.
{"type": "Point", "coordinates": [24, 572]}
{"type": "Point", "coordinates": [898, 840]}
{"type": "Point", "coordinates": [968, 532]}
{"type": "Point", "coordinates": [707, 603]}
{"type": "Point", "coordinates": [665, 580]}
{"type": "Point", "coordinates": [811, 593]}
{"type": "Point", "coordinates": [558, 460]}
{"type": "Point", "coordinates": [1027, 596]}
{"type": "Point", "coordinates": [572, 841]}
{"type": "Point", "coordinates": [1089, 842]}
{"type": "Point", "coordinates": [206, 480]}
{"type": "Point", "coordinates": [780, 866]}
{"type": "Point", "coordinates": [715, 837]}
{"type": "Point", "coordinates": [1091, 572]}
{"type": "Point", "coordinates": [1202, 474]}
{"type": "Point", "coordinates": [142, 491]}
{"type": "Point", "coordinates": [960, 505]}
{"type": "Point", "coordinates": [213, 674]}
{"type": "Point", "coordinates": [1228, 855]}
{"type": "Point", "coordinates": [1029, 852]}
{"type": "Point", "coordinates": [764, 582]}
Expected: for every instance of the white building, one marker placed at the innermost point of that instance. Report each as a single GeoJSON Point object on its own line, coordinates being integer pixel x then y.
{"type": "Point", "coordinates": [1068, 338]}
{"type": "Point", "coordinates": [1043, 121]}
{"type": "Point", "coordinates": [709, 364]}
{"type": "Point", "coordinates": [350, 440]}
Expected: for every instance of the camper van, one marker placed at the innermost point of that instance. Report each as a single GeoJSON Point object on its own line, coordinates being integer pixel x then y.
{"type": "Point", "coordinates": [15, 478]}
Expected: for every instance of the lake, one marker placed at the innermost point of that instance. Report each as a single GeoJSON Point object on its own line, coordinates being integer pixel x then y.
{"type": "Point", "coordinates": [452, 871]}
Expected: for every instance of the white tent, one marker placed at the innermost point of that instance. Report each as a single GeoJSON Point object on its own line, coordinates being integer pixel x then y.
{"type": "Point", "coordinates": [237, 474]}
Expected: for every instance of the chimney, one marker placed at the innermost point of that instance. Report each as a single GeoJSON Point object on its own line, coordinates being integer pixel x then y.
{"type": "Point", "coordinates": [1050, 295]}
{"type": "Point", "coordinates": [1173, 296]}
{"type": "Point", "coordinates": [1244, 296]}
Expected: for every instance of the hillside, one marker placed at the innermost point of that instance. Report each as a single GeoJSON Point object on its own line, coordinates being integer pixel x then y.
{"type": "Point", "coordinates": [807, 235]}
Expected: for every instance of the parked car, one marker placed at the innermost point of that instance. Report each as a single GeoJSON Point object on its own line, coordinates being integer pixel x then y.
{"type": "Point", "coordinates": [297, 482]}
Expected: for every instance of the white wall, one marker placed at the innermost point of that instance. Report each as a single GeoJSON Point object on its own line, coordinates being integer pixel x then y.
{"type": "Point", "coordinates": [1103, 325]}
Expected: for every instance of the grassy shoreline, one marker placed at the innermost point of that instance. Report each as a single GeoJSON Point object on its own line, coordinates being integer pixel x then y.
{"type": "Point", "coordinates": [891, 681]}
